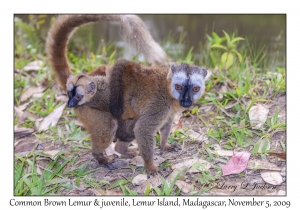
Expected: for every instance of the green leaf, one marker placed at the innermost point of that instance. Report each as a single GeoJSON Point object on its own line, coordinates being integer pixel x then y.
{"type": "Point", "coordinates": [239, 55]}
{"type": "Point", "coordinates": [264, 148]}
{"type": "Point", "coordinates": [218, 46]}
{"type": "Point", "coordinates": [118, 183]}
{"type": "Point", "coordinates": [227, 37]}
{"type": "Point", "coordinates": [148, 189]}
{"type": "Point", "coordinates": [227, 59]}
{"type": "Point", "coordinates": [236, 39]}
{"type": "Point", "coordinates": [256, 147]}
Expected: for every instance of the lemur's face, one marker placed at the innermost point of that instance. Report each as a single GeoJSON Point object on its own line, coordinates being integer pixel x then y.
{"type": "Point", "coordinates": [80, 90]}
{"type": "Point", "coordinates": [187, 83]}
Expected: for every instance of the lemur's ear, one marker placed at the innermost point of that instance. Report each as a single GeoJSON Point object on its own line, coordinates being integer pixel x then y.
{"type": "Point", "coordinates": [203, 72]}
{"type": "Point", "coordinates": [91, 88]}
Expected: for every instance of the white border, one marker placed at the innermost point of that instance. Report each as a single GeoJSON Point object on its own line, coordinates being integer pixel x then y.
{"type": "Point", "coordinates": [153, 6]}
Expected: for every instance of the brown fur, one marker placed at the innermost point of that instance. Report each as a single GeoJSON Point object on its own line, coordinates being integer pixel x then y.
{"type": "Point", "coordinates": [98, 120]}
{"type": "Point", "coordinates": [144, 91]}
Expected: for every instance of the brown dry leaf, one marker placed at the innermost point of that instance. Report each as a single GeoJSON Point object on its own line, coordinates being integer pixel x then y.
{"type": "Point", "coordinates": [139, 179]}
{"type": "Point", "coordinates": [97, 192]}
{"type": "Point", "coordinates": [51, 153]}
{"type": "Point", "coordinates": [180, 172]}
{"type": "Point", "coordinates": [231, 104]}
{"type": "Point", "coordinates": [258, 115]}
{"type": "Point", "coordinates": [177, 118]}
{"type": "Point", "coordinates": [185, 187]}
{"type": "Point", "coordinates": [222, 90]}
{"type": "Point", "coordinates": [154, 181]}
{"type": "Point", "coordinates": [25, 115]}
{"type": "Point", "coordinates": [20, 132]}
{"type": "Point", "coordinates": [39, 171]}
{"type": "Point", "coordinates": [34, 66]}
{"type": "Point", "coordinates": [281, 155]}
{"type": "Point", "coordinates": [208, 75]}
{"type": "Point", "coordinates": [271, 177]}
{"type": "Point", "coordinates": [52, 118]}
{"type": "Point", "coordinates": [19, 110]}
{"type": "Point", "coordinates": [29, 91]}
{"type": "Point", "coordinates": [222, 152]}
{"type": "Point", "coordinates": [62, 98]}
{"type": "Point", "coordinates": [24, 146]}
{"type": "Point", "coordinates": [113, 192]}
{"type": "Point", "coordinates": [22, 107]}
{"type": "Point", "coordinates": [177, 126]}
{"type": "Point", "coordinates": [138, 160]}
{"type": "Point", "coordinates": [196, 136]}
{"type": "Point", "coordinates": [205, 165]}
{"type": "Point", "coordinates": [262, 164]}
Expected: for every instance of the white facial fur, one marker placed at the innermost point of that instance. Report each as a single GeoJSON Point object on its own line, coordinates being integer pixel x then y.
{"type": "Point", "coordinates": [197, 80]}
{"type": "Point", "coordinates": [178, 78]}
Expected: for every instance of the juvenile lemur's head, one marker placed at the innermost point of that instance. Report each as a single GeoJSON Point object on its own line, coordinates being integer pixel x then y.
{"type": "Point", "coordinates": [187, 83]}
{"type": "Point", "coordinates": [80, 90]}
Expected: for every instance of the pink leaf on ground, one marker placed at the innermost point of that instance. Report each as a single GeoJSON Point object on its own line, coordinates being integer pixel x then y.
{"type": "Point", "coordinates": [237, 163]}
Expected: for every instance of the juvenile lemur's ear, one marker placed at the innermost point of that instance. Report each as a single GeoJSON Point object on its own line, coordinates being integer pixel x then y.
{"type": "Point", "coordinates": [91, 88]}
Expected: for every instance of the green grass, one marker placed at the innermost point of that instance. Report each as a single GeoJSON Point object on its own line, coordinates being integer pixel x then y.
{"type": "Point", "coordinates": [242, 67]}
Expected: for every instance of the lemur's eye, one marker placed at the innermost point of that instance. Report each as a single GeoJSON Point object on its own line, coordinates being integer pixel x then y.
{"type": "Point", "coordinates": [78, 97]}
{"type": "Point", "coordinates": [196, 89]}
{"type": "Point", "coordinates": [178, 87]}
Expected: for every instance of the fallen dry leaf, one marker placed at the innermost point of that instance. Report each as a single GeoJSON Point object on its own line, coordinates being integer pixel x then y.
{"type": "Point", "coordinates": [113, 192]}
{"type": "Point", "coordinates": [29, 91]}
{"type": "Point", "coordinates": [24, 146]}
{"type": "Point", "coordinates": [222, 152]}
{"type": "Point", "coordinates": [62, 98]}
{"type": "Point", "coordinates": [52, 118]}
{"type": "Point", "coordinates": [138, 160]}
{"type": "Point", "coordinates": [154, 181]}
{"type": "Point", "coordinates": [204, 165]}
{"type": "Point", "coordinates": [177, 118]}
{"type": "Point", "coordinates": [177, 126]}
{"type": "Point", "coordinates": [281, 192]}
{"type": "Point", "coordinates": [262, 164]}
{"type": "Point", "coordinates": [208, 75]}
{"type": "Point", "coordinates": [19, 110]}
{"type": "Point", "coordinates": [181, 171]}
{"type": "Point", "coordinates": [51, 153]}
{"type": "Point", "coordinates": [139, 179]}
{"type": "Point", "coordinates": [110, 150]}
{"type": "Point", "coordinates": [271, 177]}
{"type": "Point", "coordinates": [258, 115]}
{"type": "Point", "coordinates": [97, 192]}
{"type": "Point", "coordinates": [20, 132]}
{"type": "Point", "coordinates": [196, 136]}
{"type": "Point", "coordinates": [223, 89]}
{"type": "Point", "coordinates": [26, 115]}
{"type": "Point", "coordinates": [34, 66]}
{"type": "Point", "coordinates": [237, 163]}
{"type": "Point", "coordinates": [185, 187]}
{"type": "Point", "coordinates": [281, 155]}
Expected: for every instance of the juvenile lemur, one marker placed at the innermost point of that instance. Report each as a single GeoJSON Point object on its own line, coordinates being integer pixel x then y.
{"type": "Point", "coordinates": [95, 115]}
